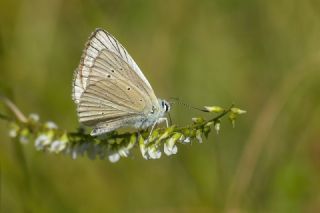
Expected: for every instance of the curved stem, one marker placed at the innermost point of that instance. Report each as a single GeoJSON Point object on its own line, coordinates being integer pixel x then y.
{"type": "Point", "coordinates": [14, 109]}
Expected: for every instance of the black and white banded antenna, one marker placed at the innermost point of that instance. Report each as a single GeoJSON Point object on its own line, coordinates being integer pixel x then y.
{"type": "Point", "coordinates": [178, 101]}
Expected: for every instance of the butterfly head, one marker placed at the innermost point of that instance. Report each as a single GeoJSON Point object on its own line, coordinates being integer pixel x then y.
{"type": "Point", "coordinates": [165, 106]}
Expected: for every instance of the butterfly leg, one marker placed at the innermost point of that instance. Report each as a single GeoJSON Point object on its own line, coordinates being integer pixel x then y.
{"type": "Point", "coordinates": [164, 119]}
{"type": "Point", "coordinates": [160, 120]}
{"type": "Point", "coordinates": [153, 125]}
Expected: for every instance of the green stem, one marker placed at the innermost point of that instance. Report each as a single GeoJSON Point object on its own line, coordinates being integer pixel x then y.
{"type": "Point", "coordinates": [4, 117]}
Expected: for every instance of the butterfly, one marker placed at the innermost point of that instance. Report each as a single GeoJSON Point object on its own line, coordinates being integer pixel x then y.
{"type": "Point", "coordinates": [110, 90]}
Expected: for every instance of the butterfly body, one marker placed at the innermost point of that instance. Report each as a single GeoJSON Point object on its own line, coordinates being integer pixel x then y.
{"type": "Point", "coordinates": [111, 91]}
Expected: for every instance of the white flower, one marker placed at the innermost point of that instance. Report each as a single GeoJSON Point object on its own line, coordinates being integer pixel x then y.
{"type": "Point", "coordinates": [153, 152]}
{"type": "Point", "coordinates": [170, 148]}
{"type": "Point", "coordinates": [184, 139]}
{"type": "Point", "coordinates": [42, 141]}
{"type": "Point", "coordinates": [51, 125]}
{"type": "Point", "coordinates": [34, 117]}
{"type": "Point", "coordinates": [74, 154]}
{"type": "Point", "coordinates": [24, 133]}
{"type": "Point", "coordinates": [75, 151]}
{"type": "Point", "coordinates": [57, 146]}
{"type": "Point", "coordinates": [24, 139]}
{"type": "Point", "coordinates": [114, 157]}
{"type": "Point", "coordinates": [13, 133]}
{"type": "Point", "coordinates": [123, 151]}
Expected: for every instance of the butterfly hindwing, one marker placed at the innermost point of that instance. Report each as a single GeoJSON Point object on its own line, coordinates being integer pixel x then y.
{"type": "Point", "coordinates": [108, 99]}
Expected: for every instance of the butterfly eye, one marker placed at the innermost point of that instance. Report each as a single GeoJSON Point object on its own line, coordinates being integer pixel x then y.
{"type": "Point", "coordinates": [166, 106]}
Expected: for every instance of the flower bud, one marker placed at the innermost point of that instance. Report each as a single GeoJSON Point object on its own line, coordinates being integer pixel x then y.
{"type": "Point", "coordinates": [238, 111]}
{"type": "Point", "coordinates": [132, 141]}
{"type": "Point", "coordinates": [199, 135]}
{"type": "Point", "coordinates": [215, 109]}
{"type": "Point", "coordinates": [217, 126]}
{"type": "Point", "coordinates": [14, 130]}
{"type": "Point", "coordinates": [232, 117]}
{"type": "Point", "coordinates": [169, 146]}
{"type": "Point", "coordinates": [153, 136]}
{"type": "Point", "coordinates": [142, 146]}
{"type": "Point", "coordinates": [197, 120]}
{"type": "Point", "coordinates": [166, 133]}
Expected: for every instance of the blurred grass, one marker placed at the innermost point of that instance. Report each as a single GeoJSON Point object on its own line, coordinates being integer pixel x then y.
{"type": "Point", "coordinates": [263, 56]}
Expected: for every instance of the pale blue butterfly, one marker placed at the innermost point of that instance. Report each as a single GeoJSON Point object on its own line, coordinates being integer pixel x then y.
{"type": "Point", "coordinates": [111, 91]}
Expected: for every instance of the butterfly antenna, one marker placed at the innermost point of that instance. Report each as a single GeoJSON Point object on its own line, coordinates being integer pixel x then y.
{"type": "Point", "coordinates": [177, 101]}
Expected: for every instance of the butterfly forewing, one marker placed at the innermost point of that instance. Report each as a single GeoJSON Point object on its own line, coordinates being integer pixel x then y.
{"type": "Point", "coordinates": [104, 48]}
{"type": "Point", "coordinates": [109, 65]}
{"type": "Point", "coordinates": [105, 39]}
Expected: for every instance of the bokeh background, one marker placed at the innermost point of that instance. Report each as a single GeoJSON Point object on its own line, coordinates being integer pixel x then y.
{"type": "Point", "coordinates": [264, 56]}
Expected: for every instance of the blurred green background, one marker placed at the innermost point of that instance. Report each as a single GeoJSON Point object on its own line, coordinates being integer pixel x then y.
{"type": "Point", "coordinates": [264, 56]}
